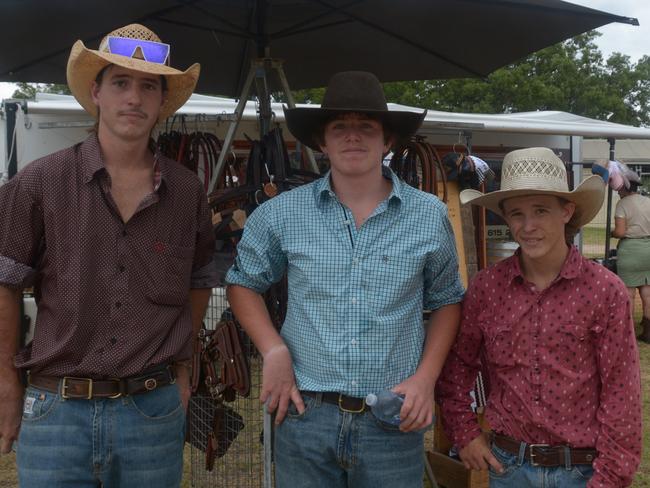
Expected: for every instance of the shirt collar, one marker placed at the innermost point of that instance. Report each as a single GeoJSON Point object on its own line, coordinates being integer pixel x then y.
{"type": "Point", "coordinates": [91, 158]}
{"type": "Point", "coordinates": [570, 269]}
{"type": "Point", "coordinates": [323, 186]}
{"type": "Point", "coordinates": [92, 161]}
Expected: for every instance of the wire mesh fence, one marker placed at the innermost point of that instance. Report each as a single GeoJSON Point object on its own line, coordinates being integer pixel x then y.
{"type": "Point", "coordinates": [241, 466]}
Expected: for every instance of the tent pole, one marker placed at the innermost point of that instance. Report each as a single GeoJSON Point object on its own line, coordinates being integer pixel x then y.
{"type": "Point", "coordinates": [608, 221]}
{"type": "Point", "coordinates": [258, 72]}
{"type": "Point", "coordinates": [232, 128]}
{"type": "Point", "coordinates": [291, 103]}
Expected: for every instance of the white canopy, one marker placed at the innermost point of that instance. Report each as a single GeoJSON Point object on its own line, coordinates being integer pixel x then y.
{"type": "Point", "coordinates": [545, 122]}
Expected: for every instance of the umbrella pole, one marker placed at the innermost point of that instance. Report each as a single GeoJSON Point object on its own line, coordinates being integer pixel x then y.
{"type": "Point", "coordinates": [258, 72]}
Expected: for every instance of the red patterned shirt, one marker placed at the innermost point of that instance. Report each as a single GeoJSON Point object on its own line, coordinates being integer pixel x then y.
{"type": "Point", "coordinates": [563, 364]}
{"type": "Point", "coordinates": [113, 297]}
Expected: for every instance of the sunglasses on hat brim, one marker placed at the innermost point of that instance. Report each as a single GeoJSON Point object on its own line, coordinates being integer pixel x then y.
{"type": "Point", "coordinates": [152, 51]}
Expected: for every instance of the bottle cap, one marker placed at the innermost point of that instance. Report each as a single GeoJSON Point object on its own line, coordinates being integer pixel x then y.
{"type": "Point", "coordinates": [371, 399]}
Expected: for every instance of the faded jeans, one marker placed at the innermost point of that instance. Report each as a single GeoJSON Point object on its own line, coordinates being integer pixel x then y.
{"type": "Point", "coordinates": [518, 473]}
{"type": "Point", "coordinates": [326, 447]}
{"type": "Point", "coordinates": [134, 441]}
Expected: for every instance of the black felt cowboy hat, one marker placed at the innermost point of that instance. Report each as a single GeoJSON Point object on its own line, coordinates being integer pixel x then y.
{"type": "Point", "coordinates": [350, 92]}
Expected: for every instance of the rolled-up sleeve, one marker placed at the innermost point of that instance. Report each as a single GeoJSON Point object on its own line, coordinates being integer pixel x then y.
{"type": "Point", "coordinates": [442, 285]}
{"type": "Point", "coordinates": [21, 229]}
{"type": "Point", "coordinates": [260, 260]}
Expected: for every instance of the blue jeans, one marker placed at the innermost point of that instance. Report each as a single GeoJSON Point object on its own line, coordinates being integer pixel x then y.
{"type": "Point", "coordinates": [134, 441]}
{"type": "Point", "coordinates": [518, 473]}
{"type": "Point", "coordinates": [328, 447]}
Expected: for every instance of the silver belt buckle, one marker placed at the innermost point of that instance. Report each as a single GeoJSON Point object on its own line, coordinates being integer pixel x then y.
{"type": "Point", "coordinates": [531, 452]}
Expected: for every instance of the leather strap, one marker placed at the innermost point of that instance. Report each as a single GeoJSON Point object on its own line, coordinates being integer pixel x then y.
{"type": "Point", "coordinates": [345, 403]}
{"type": "Point", "coordinates": [545, 455]}
{"type": "Point", "coordinates": [88, 388]}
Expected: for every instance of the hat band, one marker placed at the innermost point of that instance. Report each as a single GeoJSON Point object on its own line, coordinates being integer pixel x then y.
{"type": "Point", "coordinates": [152, 51]}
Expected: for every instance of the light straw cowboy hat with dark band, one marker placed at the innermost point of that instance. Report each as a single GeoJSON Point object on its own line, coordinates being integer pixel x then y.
{"type": "Point", "coordinates": [350, 92]}
{"type": "Point", "coordinates": [139, 49]}
{"type": "Point", "coordinates": [538, 171]}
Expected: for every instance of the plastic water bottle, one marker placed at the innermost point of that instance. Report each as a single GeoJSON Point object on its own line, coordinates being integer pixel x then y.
{"type": "Point", "coordinates": [386, 405]}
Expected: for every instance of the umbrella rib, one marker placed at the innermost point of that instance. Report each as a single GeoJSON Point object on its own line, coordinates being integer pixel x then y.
{"type": "Point", "coordinates": [310, 29]}
{"type": "Point", "coordinates": [291, 29]}
{"type": "Point", "coordinates": [222, 20]}
{"type": "Point", "coordinates": [199, 27]}
{"type": "Point", "coordinates": [586, 10]}
{"type": "Point", "coordinates": [403, 39]}
{"type": "Point", "coordinates": [51, 54]}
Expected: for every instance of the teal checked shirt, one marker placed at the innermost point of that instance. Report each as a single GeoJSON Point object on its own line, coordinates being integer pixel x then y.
{"type": "Point", "coordinates": [356, 296]}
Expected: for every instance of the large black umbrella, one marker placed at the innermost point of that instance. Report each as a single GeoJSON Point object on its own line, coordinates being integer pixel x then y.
{"type": "Point", "coordinates": [395, 39]}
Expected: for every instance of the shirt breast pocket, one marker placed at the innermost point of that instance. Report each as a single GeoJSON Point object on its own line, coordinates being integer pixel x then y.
{"type": "Point", "coordinates": [394, 276]}
{"type": "Point", "coordinates": [572, 348]}
{"type": "Point", "coordinates": [170, 272]}
{"type": "Point", "coordinates": [499, 344]}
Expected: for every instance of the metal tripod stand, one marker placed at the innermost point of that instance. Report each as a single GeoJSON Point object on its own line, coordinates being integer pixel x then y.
{"type": "Point", "coordinates": [258, 73]}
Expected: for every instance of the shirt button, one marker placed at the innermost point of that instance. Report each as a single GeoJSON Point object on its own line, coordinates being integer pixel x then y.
{"type": "Point", "coordinates": [122, 268]}
{"type": "Point", "coordinates": [124, 232]}
{"type": "Point", "coordinates": [113, 340]}
{"type": "Point", "coordinates": [353, 342]}
{"type": "Point", "coordinates": [118, 304]}
{"type": "Point", "coordinates": [354, 301]}
{"type": "Point", "coordinates": [353, 383]}
{"type": "Point", "coordinates": [355, 260]}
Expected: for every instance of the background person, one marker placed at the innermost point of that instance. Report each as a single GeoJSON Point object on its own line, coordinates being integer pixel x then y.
{"type": "Point", "coordinates": [632, 227]}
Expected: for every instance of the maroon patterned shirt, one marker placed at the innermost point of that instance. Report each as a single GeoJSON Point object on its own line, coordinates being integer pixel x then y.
{"type": "Point", "coordinates": [113, 297]}
{"type": "Point", "coordinates": [563, 364]}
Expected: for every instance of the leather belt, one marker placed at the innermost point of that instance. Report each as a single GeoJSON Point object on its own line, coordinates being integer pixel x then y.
{"type": "Point", "coordinates": [345, 403]}
{"type": "Point", "coordinates": [545, 455]}
{"type": "Point", "coordinates": [89, 388]}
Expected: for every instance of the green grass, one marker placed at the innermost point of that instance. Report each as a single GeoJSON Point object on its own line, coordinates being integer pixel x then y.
{"type": "Point", "coordinates": [593, 242]}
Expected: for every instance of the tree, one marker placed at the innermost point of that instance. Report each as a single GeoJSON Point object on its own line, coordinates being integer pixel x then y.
{"type": "Point", "coordinates": [571, 76]}
{"type": "Point", "coordinates": [29, 90]}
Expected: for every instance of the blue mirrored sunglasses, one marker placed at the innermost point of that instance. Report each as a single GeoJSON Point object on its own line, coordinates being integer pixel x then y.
{"type": "Point", "coordinates": [153, 52]}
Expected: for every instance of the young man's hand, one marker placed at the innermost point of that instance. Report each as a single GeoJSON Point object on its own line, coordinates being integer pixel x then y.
{"type": "Point", "coordinates": [417, 410]}
{"type": "Point", "coordinates": [11, 405]}
{"type": "Point", "coordinates": [279, 384]}
{"type": "Point", "coordinates": [477, 455]}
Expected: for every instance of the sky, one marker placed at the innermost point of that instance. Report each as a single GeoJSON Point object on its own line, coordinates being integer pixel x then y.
{"type": "Point", "coordinates": [623, 38]}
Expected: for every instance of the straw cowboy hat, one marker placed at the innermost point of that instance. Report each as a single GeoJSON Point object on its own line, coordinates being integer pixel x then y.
{"type": "Point", "coordinates": [350, 92]}
{"type": "Point", "coordinates": [85, 64]}
{"type": "Point", "coordinates": [538, 171]}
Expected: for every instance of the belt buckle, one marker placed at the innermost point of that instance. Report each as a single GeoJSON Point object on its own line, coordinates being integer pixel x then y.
{"type": "Point", "coordinates": [119, 386]}
{"type": "Point", "coordinates": [532, 454]}
{"type": "Point", "coordinates": [342, 408]}
{"type": "Point", "coordinates": [64, 386]}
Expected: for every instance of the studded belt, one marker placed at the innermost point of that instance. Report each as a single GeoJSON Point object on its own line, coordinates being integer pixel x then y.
{"type": "Point", "coordinates": [89, 388]}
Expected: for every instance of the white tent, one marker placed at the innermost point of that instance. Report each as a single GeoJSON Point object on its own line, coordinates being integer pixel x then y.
{"type": "Point", "coordinates": [52, 122]}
